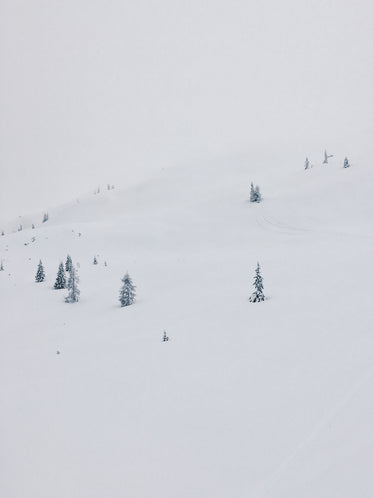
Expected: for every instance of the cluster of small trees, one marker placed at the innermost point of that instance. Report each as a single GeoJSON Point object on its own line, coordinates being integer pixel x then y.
{"type": "Point", "coordinates": [20, 226]}
{"type": "Point", "coordinates": [108, 187]}
{"type": "Point", "coordinates": [67, 277]}
{"type": "Point", "coordinates": [307, 164]}
{"type": "Point", "coordinates": [63, 281]}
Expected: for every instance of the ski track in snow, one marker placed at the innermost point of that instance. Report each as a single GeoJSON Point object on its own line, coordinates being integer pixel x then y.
{"type": "Point", "coordinates": [270, 223]}
{"type": "Point", "coordinates": [265, 488]}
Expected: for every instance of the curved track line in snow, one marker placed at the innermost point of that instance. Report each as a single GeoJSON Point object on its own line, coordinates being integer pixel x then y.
{"type": "Point", "coordinates": [272, 224]}
{"type": "Point", "coordinates": [262, 490]}
{"type": "Point", "coordinates": [278, 224]}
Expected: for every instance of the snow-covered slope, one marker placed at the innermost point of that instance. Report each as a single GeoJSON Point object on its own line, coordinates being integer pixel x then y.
{"type": "Point", "coordinates": [272, 399]}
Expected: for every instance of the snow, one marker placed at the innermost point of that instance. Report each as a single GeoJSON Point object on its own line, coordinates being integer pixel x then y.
{"type": "Point", "coordinates": [271, 399]}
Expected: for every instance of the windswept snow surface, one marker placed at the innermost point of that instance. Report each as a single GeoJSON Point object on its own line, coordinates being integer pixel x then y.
{"type": "Point", "coordinates": [273, 399]}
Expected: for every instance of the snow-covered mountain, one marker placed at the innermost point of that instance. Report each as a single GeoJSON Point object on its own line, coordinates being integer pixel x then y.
{"type": "Point", "coordinates": [270, 399]}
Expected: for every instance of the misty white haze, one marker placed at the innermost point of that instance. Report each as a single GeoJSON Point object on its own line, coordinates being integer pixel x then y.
{"type": "Point", "coordinates": [96, 92]}
{"type": "Point", "coordinates": [186, 206]}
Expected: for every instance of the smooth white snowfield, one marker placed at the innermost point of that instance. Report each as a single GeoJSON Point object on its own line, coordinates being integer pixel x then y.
{"type": "Point", "coordinates": [272, 399]}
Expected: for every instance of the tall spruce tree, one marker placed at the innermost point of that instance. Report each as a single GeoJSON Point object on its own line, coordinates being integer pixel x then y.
{"type": "Point", "coordinates": [95, 262]}
{"type": "Point", "coordinates": [165, 337]}
{"type": "Point", "coordinates": [72, 286]}
{"type": "Point", "coordinates": [1, 265]}
{"type": "Point", "coordinates": [307, 164]}
{"type": "Point", "coordinates": [257, 295]}
{"type": "Point", "coordinates": [127, 292]}
{"type": "Point", "coordinates": [40, 274]}
{"type": "Point", "coordinates": [346, 164]}
{"type": "Point", "coordinates": [68, 263]}
{"type": "Point", "coordinates": [60, 282]}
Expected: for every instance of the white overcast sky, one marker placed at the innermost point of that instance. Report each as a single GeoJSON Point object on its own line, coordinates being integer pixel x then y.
{"type": "Point", "coordinates": [96, 91]}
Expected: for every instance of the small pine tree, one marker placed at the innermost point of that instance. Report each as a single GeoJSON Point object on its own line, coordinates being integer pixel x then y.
{"type": "Point", "coordinates": [40, 274]}
{"type": "Point", "coordinates": [255, 195]}
{"type": "Point", "coordinates": [1, 266]}
{"type": "Point", "coordinates": [95, 261]}
{"type": "Point", "coordinates": [72, 286]}
{"type": "Point", "coordinates": [2, 233]}
{"type": "Point", "coordinates": [165, 337]}
{"type": "Point", "coordinates": [20, 228]}
{"type": "Point", "coordinates": [127, 292]}
{"type": "Point", "coordinates": [45, 217]}
{"type": "Point", "coordinates": [326, 157]}
{"type": "Point", "coordinates": [346, 164]}
{"type": "Point", "coordinates": [307, 164]}
{"type": "Point", "coordinates": [61, 278]}
{"type": "Point", "coordinates": [105, 264]}
{"type": "Point", "coordinates": [33, 226]}
{"type": "Point", "coordinates": [68, 263]}
{"type": "Point", "coordinates": [257, 295]}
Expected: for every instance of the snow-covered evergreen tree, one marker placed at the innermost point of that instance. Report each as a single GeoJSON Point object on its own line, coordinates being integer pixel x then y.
{"type": "Point", "coordinates": [1, 265]}
{"type": "Point", "coordinates": [95, 262]}
{"type": "Point", "coordinates": [255, 195]}
{"type": "Point", "coordinates": [33, 226]}
{"type": "Point", "coordinates": [20, 228]}
{"type": "Point", "coordinates": [346, 164]}
{"type": "Point", "coordinates": [2, 232]}
{"type": "Point", "coordinates": [165, 337]}
{"type": "Point", "coordinates": [326, 157]}
{"type": "Point", "coordinates": [61, 278]}
{"type": "Point", "coordinates": [307, 164]}
{"type": "Point", "coordinates": [40, 274]}
{"type": "Point", "coordinates": [45, 217]}
{"type": "Point", "coordinates": [257, 295]}
{"type": "Point", "coordinates": [127, 292]}
{"type": "Point", "coordinates": [68, 263]}
{"type": "Point", "coordinates": [72, 286]}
